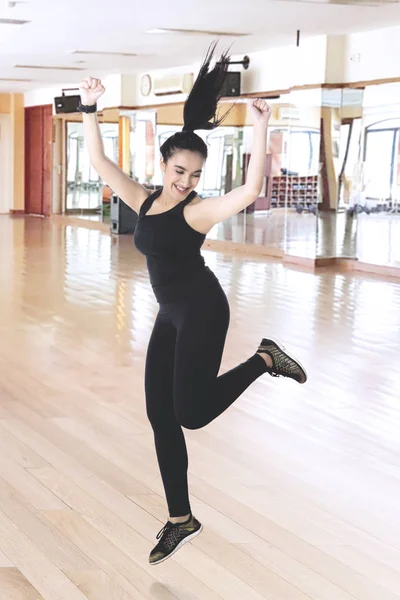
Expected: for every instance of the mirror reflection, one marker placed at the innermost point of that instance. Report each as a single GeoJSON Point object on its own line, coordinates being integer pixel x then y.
{"type": "Point", "coordinates": [379, 204]}
{"type": "Point", "coordinates": [86, 194]}
{"type": "Point", "coordinates": [283, 218]}
{"type": "Point", "coordinates": [295, 183]}
{"type": "Point", "coordinates": [340, 172]}
{"type": "Point", "coordinates": [332, 171]}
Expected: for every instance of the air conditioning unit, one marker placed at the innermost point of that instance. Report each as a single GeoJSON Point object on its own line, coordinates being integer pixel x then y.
{"type": "Point", "coordinates": [173, 84]}
{"type": "Point", "coordinates": [288, 113]}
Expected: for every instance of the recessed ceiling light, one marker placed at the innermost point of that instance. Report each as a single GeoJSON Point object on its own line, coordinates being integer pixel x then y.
{"type": "Point", "coordinates": [13, 22]}
{"type": "Point", "coordinates": [49, 68]}
{"type": "Point", "coordinates": [359, 3]}
{"type": "Point", "coordinates": [102, 53]}
{"type": "Point", "coordinates": [196, 32]}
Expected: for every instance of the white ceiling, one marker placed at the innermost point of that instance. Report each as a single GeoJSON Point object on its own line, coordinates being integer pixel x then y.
{"type": "Point", "coordinates": [58, 28]}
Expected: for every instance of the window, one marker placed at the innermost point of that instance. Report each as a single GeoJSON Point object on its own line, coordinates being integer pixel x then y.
{"type": "Point", "coordinates": [381, 156]}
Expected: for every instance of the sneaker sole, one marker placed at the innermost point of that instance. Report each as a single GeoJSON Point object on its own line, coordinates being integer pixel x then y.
{"type": "Point", "coordinates": [283, 349]}
{"type": "Point", "coordinates": [179, 546]}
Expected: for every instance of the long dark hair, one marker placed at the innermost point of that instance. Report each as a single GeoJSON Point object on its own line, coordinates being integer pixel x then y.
{"type": "Point", "coordinates": [200, 110]}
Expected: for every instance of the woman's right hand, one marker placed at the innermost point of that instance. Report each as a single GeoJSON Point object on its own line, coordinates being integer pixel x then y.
{"type": "Point", "coordinates": [90, 89]}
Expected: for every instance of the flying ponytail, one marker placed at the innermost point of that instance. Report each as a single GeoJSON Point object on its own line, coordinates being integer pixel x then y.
{"type": "Point", "coordinates": [200, 110]}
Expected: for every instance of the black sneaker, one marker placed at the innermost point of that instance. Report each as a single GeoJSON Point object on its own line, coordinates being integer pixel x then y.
{"type": "Point", "coordinates": [283, 365]}
{"type": "Point", "coordinates": [172, 537]}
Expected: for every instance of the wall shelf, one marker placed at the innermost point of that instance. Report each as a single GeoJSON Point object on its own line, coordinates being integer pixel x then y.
{"type": "Point", "coordinates": [294, 191]}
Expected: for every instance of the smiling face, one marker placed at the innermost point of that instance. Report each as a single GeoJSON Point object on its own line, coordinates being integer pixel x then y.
{"type": "Point", "coordinates": [182, 173]}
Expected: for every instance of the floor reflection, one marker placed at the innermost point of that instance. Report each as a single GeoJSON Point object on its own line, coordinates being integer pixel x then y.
{"type": "Point", "coordinates": [288, 231]}
{"type": "Point", "coordinates": [378, 239]}
{"type": "Point", "coordinates": [63, 278]}
{"type": "Point", "coordinates": [373, 238]}
{"type": "Point", "coordinates": [336, 235]}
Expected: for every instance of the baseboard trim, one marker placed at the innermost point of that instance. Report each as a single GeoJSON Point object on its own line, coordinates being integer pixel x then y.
{"type": "Point", "coordinates": [354, 265]}
{"type": "Point", "coordinates": [299, 261]}
{"type": "Point", "coordinates": [381, 270]}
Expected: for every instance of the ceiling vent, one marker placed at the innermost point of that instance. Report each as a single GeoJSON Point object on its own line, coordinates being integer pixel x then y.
{"type": "Point", "coordinates": [49, 68]}
{"type": "Point", "coordinates": [196, 32]}
{"type": "Point", "coordinates": [103, 53]}
{"type": "Point", "coordinates": [13, 22]}
{"type": "Point", "coordinates": [359, 3]}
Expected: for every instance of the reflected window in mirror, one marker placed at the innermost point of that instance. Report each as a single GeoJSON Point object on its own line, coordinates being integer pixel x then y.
{"type": "Point", "coordinates": [379, 207]}
{"type": "Point", "coordinates": [302, 157]}
{"type": "Point", "coordinates": [86, 193]}
{"type": "Point", "coordinates": [382, 160]}
{"type": "Point", "coordinates": [142, 147]}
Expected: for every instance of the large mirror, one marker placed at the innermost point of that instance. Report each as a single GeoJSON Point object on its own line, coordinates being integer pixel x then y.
{"type": "Point", "coordinates": [295, 134]}
{"type": "Point", "coordinates": [332, 170]}
{"type": "Point", "coordinates": [283, 219]}
{"type": "Point", "coordinates": [86, 195]}
{"type": "Point", "coordinates": [226, 154]}
{"type": "Point", "coordinates": [378, 239]}
{"type": "Point", "coordinates": [340, 172]}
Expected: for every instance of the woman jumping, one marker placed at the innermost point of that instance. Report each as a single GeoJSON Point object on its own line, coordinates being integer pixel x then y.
{"type": "Point", "coordinates": [183, 389]}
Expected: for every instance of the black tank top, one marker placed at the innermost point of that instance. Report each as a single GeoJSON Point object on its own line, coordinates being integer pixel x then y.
{"type": "Point", "coordinates": [170, 244]}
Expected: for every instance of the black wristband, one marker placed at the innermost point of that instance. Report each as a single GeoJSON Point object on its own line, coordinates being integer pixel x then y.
{"type": "Point", "coordinates": [83, 108]}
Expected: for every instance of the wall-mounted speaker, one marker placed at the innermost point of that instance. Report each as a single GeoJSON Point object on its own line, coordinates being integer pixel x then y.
{"type": "Point", "coordinates": [231, 85]}
{"type": "Point", "coordinates": [66, 104]}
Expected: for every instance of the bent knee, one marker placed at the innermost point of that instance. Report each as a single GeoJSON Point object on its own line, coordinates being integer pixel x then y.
{"type": "Point", "coordinates": [189, 420]}
{"type": "Point", "coordinates": [190, 424]}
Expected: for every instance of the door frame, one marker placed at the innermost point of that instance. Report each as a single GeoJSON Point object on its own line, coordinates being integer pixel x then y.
{"type": "Point", "coordinates": [7, 186]}
{"type": "Point", "coordinates": [44, 158]}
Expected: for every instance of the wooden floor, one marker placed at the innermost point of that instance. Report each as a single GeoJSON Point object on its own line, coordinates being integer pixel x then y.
{"type": "Point", "coordinates": [298, 486]}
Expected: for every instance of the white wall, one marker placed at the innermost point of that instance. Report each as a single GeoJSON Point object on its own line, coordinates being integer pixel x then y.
{"type": "Point", "coordinates": [129, 90]}
{"type": "Point", "coordinates": [287, 66]}
{"type": "Point", "coordinates": [363, 56]}
{"type": "Point", "coordinates": [373, 55]}
{"type": "Point", "coordinates": [278, 68]}
{"type": "Point", "coordinates": [113, 95]}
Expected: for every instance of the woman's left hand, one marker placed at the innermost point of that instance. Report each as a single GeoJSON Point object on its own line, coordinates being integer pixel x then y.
{"type": "Point", "coordinates": [261, 111]}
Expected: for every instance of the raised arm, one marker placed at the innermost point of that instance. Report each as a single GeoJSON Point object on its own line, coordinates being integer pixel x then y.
{"type": "Point", "coordinates": [130, 192]}
{"type": "Point", "coordinates": [207, 213]}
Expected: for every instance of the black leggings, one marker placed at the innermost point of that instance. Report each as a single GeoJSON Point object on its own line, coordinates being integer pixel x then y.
{"type": "Point", "coordinates": [181, 381]}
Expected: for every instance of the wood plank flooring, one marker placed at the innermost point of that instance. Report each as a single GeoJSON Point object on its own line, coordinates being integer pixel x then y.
{"type": "Point", "coordinates": [298, 487]}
